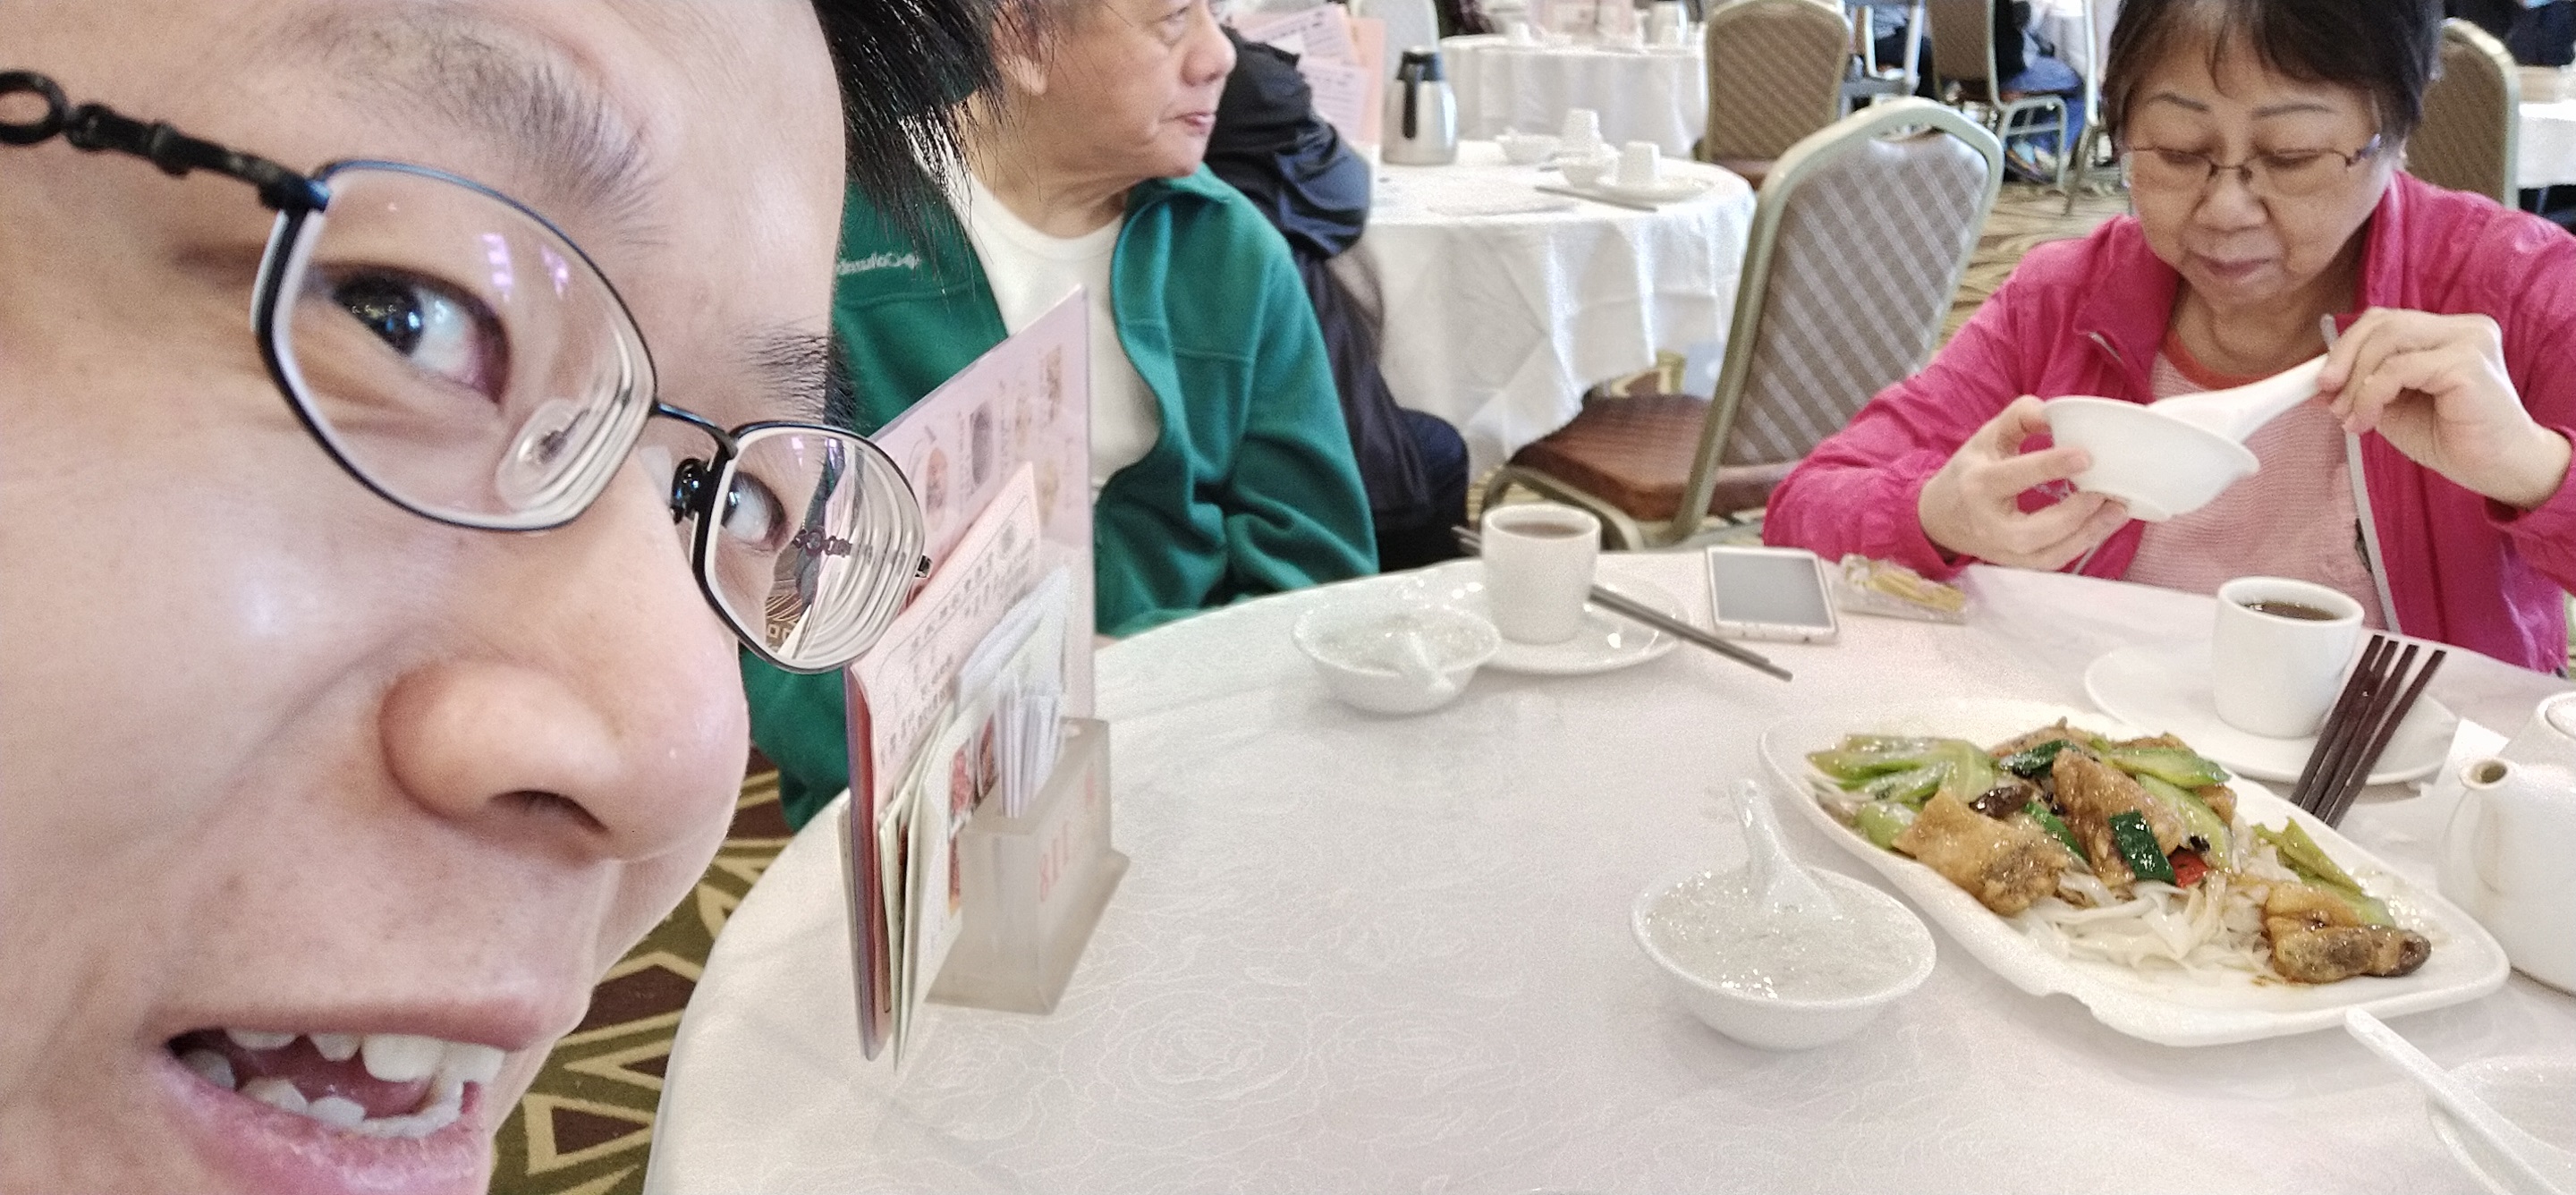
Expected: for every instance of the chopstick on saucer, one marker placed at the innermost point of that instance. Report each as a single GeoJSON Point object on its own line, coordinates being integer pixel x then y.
{"type": "Point", "coordinates": [1636, 611]}
{"type": "Point", "coordinates": [2357, 731]}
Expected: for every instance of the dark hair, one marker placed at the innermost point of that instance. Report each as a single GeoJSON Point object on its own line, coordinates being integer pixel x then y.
{"type": "Point", "coordinates": [2384, 48]}
{"type": "Point", "coordinates": [903, 67]}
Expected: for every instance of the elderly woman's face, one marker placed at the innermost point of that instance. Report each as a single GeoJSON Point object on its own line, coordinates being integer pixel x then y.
{"type": "Point", "coordinates": [290, 772]}
{"type": "Point", "coordinates": [1137, 82]}
{"type": "Point", "coordinates": [2236, 246]}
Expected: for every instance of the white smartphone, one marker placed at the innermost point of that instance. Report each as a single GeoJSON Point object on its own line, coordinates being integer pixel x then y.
{"type": "Point", "coordinates": [1770, 593]}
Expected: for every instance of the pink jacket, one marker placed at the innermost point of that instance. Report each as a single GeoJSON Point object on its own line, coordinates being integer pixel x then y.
{"type": "Point", "coordinates": [2088, 317]}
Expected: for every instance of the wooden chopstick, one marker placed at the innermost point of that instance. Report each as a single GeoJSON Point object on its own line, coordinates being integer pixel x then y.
{"type": "Point", "coordinates": [2331, 733]}
{"type": "Point", "coordinates": [2391, 717]}
{"type": "Point", "coordinates": [1626, 607]}
{"type": "Point", "coordinates": [2359, 726]}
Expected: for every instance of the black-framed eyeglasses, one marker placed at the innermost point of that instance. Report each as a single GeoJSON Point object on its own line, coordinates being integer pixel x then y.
{"type": "Point", "coordinates": [457, 354]}
{"type": "Point", "coordinates": [2287, 174]}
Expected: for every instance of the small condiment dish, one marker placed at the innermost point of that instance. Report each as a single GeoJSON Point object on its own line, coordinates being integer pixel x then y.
{"type": "Point", "coordinates": [2159, 465]}
{"type": "Point", "coordinates": [2536, 1095]}
{"type": "Point", "coordinates": [1395, 656]}
{"type": "Point", "coordinates": [1790, 980]}
{"type": "Point", "coordinates": [1527, 149]}
{"type": "Point", "coordinates": [1588, 169]}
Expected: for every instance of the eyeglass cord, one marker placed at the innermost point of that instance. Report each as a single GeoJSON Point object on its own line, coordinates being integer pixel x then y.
{"type": "Point", "coordinates": [98, 128]}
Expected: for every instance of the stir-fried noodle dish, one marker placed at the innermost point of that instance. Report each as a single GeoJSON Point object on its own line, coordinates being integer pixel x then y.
{"type": "Point", "coordinates": [2127, 852]}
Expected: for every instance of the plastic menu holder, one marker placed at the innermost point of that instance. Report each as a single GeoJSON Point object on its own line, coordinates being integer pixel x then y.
{"type": "Point", "coordinates": [1035, 884]}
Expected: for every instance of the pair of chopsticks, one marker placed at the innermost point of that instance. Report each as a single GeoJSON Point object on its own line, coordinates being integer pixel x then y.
{"type": "Point", "coordinates": [1636, 611]}
{"type": "Point", "coordinates": [1631, 204]}
{"type": "Point", "coordinates": [2357, 730]}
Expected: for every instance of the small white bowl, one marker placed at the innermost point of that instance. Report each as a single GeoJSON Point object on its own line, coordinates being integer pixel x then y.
{"type": "Point", "coordinates": [1587, 170]}
{"type": "Point", "coordinates": [2160, 466]}
{"type": "Point", "coordinates": [1780, 1022]}
{"type": "Point", "coordinates": [1355, 646]}
{"type": "Point", "coordinates": [1526, 149]}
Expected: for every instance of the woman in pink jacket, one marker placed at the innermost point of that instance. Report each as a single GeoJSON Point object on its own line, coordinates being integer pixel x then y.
{"type": "Point", "coordinates": [2263, 141]}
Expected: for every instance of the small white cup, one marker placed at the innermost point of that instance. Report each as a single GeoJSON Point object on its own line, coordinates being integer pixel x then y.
{"type": "Point", "coordinates": [1582, 129]}
{"type": "Point", "coordinates": [1539, 558]}
{"type": "Point", "coordinates": [1676, 36]}
{"type": "Point", "coordinates": [2277, 673]}
{"type": "Point", "coordinates": [1639, 163]}
{"type": "Point", "coordinates": [1519, 33]}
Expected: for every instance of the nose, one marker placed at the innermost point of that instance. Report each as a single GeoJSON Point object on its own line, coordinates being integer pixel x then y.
{"type": "Point", "coordinates": [579, 698]}
{"type": "Point", "coordinates": [2230, 202]}
{"type": "Point", "coordinates": [1212, 59]}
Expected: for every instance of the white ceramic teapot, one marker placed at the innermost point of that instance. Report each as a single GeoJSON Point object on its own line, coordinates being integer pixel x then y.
{"type": "Point", "coordinates": [2509, 857]}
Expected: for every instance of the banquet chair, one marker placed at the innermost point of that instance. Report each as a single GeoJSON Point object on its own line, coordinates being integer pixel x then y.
{"type": "Point", "coordinates": [1957, 23]}
{"type": "Point", "coordinates": [1409, 24]}
{"type": "Point", "coordinates": [2467, 139]}
{"type": "Point", "coordinates": [2089, 164]}
{"type": "Point", "coordinates": [1857, 242]}
{"type": "Point", "coordinates": [1775, 75]}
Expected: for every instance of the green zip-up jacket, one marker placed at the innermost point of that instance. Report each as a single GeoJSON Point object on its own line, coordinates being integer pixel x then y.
{"type": "Point", "coordinates": [1250, 490]}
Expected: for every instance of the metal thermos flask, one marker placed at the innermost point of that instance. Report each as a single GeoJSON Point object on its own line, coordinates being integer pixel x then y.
{"type": "Point", "coordinates": [1422, 113]}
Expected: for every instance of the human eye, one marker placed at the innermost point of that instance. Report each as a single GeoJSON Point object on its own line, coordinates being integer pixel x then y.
{"type": "Point", "coordinates": [2296, 162]}
{"type": "Point", "coordinates": [438, 329]}
{"type": "Point", "coordinates": [754, 518]}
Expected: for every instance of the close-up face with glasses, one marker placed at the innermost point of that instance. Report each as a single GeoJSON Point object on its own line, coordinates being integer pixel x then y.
{"type": "Point", "coordinates": [2251, 183]}
{"type": "Point", "coordinates": [392, 476]}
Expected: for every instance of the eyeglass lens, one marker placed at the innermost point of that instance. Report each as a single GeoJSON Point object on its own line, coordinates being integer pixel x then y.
{"type": "Point", "coordinates": [2284, 174]}
{"type": "Point", "coordinates": [811, 543]}
{"type": "Point", "coordinates": [457, 353]}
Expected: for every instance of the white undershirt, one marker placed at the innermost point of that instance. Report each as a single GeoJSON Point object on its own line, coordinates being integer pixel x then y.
{"type": "Point", "coordinates": [1030, 273]}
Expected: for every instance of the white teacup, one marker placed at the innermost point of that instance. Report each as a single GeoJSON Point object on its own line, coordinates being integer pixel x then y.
{"type": "Point", "coordinates": [2277, 653]}
{"type": "Point", "coordinates": [1582, 129]}
{"type": "Point", "coordinates": [1639, 163]}
{"type": "Point", "coordinates": [1539, 558]}
{"type": "Point", "coordinates": [1521, 33]}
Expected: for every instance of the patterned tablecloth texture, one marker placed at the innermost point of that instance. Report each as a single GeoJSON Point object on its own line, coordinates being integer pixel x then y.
{"type": "Point", "coordinates": [1357, 953]}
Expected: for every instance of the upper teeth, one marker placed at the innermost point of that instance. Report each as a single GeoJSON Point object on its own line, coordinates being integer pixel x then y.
{"type": "Point", "coordinates": [392, 1057]}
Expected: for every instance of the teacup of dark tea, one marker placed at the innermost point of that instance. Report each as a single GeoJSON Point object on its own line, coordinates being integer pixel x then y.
{"type": "Point", "coordinates": [1538, 569]}
{"type": "Point", "coordinates": [2278, 653]}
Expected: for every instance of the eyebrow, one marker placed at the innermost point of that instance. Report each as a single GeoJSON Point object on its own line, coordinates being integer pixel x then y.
{"type": "Point", "coordinates": [548, 124]}
{"type": "Point", "coordinates": [2292, 108]}
{"type": "Point", "coordinates": [793, 370]}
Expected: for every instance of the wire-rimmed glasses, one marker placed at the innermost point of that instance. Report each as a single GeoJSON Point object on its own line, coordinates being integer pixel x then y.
{"type": "Point", "coordinates": [2286, 174]}
{"type": "Point", "coordinates": [458, 355]}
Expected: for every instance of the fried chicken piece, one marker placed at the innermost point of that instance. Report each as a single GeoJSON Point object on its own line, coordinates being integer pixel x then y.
{"type": "Point", "coordinates": [2089, 792]}
{"type": "Point", "coordinates": [2317, 938]}
{"type": "Point", "coordinates": [2005, 865]}
{"type": "Point", "coordinates": [2220, 799]}
{"type": "Point", "coordinates": [2029, 739]}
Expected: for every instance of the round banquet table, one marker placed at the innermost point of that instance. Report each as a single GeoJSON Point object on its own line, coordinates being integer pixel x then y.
{"type": "Point", "coordinates": [1356, 953]}
{"type": "Point", "coordinates": [1500, 304]}
{"type": "Point", "coordinates": [1653, 94]}
{"type": "Point", "coordinates": [2546, 156]}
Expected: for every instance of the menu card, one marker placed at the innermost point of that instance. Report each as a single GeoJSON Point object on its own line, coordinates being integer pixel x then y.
{"type": "Point", "coordinates": [1341, 57]}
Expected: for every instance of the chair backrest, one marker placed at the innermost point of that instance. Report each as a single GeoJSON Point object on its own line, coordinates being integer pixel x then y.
{"type": "Point", "coordinates": [1858, 240]}
{"type": "Point", "coordinates": [2471, 116]}
{"type": "Point", "coordinates": [1963, 39]}
{"type": "Point", "coordinates": [1775, 75]}
{"type": "Point", "coordinates": [1409, 23]}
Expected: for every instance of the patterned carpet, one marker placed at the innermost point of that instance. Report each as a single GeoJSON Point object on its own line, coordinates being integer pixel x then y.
{"type": "Point", "coordinates": [586, 1126]}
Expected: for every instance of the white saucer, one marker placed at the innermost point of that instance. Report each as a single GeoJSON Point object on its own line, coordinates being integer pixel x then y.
{"type": "Point", "coordinates": [2166, 688]}
{"type": "Point", "coordinates": [1666, 190]}
{"type": "Point", "coordinates": [1604, 643]}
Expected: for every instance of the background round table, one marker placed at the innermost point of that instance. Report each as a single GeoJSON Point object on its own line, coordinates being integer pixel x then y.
{"type": "Point", "coordinates": [2546, 156]}
{"type": "Point", "coordinates": [1499, 304]}
{"type": "Point", "coordinates": [1356, 954]}
{"type": "Point", "coordinates": [1653, 94]}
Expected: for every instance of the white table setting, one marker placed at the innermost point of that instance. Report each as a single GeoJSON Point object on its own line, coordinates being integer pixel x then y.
{"type": "Point", "coordinates": [1500, 303]}
{"type": "Point", "coordinates": [2546, 155]}
{"type": "Point", "coordinates": [1643, 90]}
{"type": "Point", "coordinates": [1361, 952]}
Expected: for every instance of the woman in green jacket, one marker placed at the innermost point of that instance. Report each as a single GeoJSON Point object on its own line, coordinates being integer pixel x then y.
{"type": "Point", "coordinates": [1221, 467]}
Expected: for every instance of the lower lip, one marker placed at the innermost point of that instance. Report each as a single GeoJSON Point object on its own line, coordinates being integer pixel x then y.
{"type": "Point", "coordinates": [259, 1148]}
{"type": "Point", "coordinates": [1200, 123]}
{"type": "Point", "coordinates": [2232, 271]}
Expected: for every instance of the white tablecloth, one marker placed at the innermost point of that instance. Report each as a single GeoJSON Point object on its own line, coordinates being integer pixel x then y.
{"type": "Point", "coordinates": [1656, 95]}
{"type": "Point", "coordinates": [2061, 23]}
{"type": "Point", "coordinates": [2547, 154]}
{"type": "Point", "coordinates": [1358, 954]}
{"type": "Point", "coordinates": [1498, 319]}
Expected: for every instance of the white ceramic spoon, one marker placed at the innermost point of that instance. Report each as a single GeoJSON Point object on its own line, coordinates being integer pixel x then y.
{"type": "Point", "coordinates": [1783, 884]}
{"type": "Point", "coordinates": [2235, 412]}
{"type": "Point", "coordinates": [2510, 1144]}
{"type": "Point", "coordinates": [1413, 659]}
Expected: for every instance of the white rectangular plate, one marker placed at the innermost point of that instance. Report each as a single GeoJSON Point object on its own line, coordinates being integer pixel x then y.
{"type": "Point", "coordinates": [2165, 1006]}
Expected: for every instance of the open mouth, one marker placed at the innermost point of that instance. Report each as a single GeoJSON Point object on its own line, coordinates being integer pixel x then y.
{"type": "Point", "coordinates": [393, 1085]}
